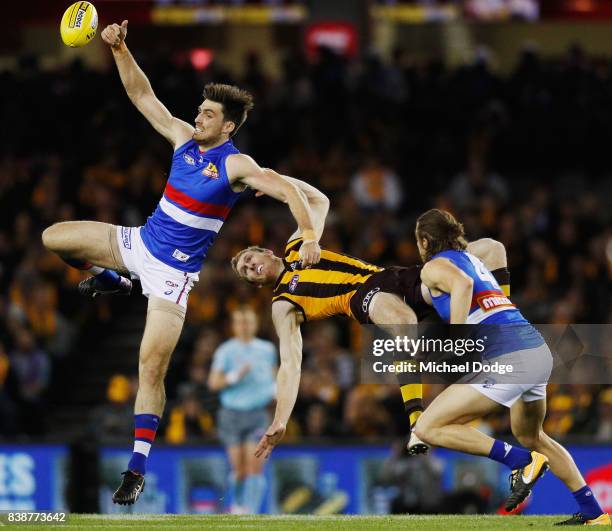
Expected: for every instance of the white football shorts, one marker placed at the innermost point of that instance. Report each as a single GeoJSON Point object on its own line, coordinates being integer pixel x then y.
{"type": "Point", "coordinates": [531, 371]}
{"type": "Point", "coordinates": [156, 278]}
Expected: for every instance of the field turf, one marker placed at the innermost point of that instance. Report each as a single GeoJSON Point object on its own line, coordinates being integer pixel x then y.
{"type": "Point", "coordinates": [303, 523]}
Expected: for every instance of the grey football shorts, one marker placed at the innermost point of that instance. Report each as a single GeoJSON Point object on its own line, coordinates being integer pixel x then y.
{"type": "Point", "coordinates": [236, 427]}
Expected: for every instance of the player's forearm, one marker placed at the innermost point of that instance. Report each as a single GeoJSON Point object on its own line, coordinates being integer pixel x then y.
{"type": "Point", "coordinates": [287, 384]}
{"type": "Point", "coordinates": [133, 78]}
{"type": "Point", "coordinates": [301, 212]}
{"type": "Point", "coordinates": [461, 301]}
{"type": "Point", "coordinates": [313, 195]}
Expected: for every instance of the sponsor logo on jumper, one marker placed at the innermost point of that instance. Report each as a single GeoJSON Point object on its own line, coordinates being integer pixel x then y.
{"type": "Point", "coordinates": [211, 171]}
{"type": "Point", "coordinates": [491, 300]}
{"type": "Point", "coordinates": [171, 284]}
{"type": "Point", "coordinates": [368, 298]}
{"type": "Point", "coordinates": [293, 283]}
{"type": "Point", "coordinates": [189, 159]}
{"type": "Point", "coordinates": [180, 256]}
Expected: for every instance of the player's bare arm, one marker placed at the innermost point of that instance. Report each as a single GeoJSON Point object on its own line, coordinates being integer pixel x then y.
{"type": "Point", "coordinates": [317, 201]}
{"type": "Point", "coordinates": [491, 252]}
{"type": "Point", "coordinates": [287, 324]}
{"type": "Point", "coordinates": [243, 171]}
{"type": "Point", "coordinates": [442, 276]}
{"type": "Point", "coordinates": [139, 89]}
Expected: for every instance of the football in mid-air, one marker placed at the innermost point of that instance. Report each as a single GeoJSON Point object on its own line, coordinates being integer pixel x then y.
{"type": "Point", "coordinates": [79, 24]}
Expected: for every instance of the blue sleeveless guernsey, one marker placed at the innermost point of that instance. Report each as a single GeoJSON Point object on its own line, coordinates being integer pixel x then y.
{"type": "Point", "coordinates": [196, 201]}
{"type": "Point", "coordinates": [490, 306]}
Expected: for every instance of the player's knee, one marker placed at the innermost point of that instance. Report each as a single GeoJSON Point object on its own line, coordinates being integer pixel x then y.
{"type": "Point", "coordinates": [51, 237]}
{"type": "Point", "coordinates": [402, 315]}
{"type": "Point", "coordinates": [152, 373]}
{"type": "Point", "coordinates": [408, 317]}
{"type": "Point", "coordinates": [530, 440]}
{"type": "Point", "coordinates": [425, 430]}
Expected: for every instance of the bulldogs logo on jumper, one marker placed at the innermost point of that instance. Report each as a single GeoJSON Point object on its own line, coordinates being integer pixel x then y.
{"type": "Point", "coordinates": [189, 159]}
{"type": "Point", "coordinates": [211, 171]}
{"type": "Point", "coordinates": [293, 283]}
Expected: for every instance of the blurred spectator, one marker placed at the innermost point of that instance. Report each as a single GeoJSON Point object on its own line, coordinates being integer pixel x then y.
{"type": "Point", "coordinates": [114, 420]}
{"type": "Point", "coordinates": [469, 188]}
{"type": "Point", "coordinates": [32, 370]}
{"type": "Point", "coordinates": [560, 418]}
{"type": "Point", "coordinates": [188, 422]}
{"type": "Point", "coordinates": [365, 415]}
{"type": "Point", "coordinates": [375, 186]}
{"type": "Point", "coordinates": [319, 423]}
{"type": "Point", "coordinates": [8, 409]}
{"type": "Point", "coordinates": [604, 415]}
{"type": "Point", "coordinates": [326, 354]}
{"type": "Point", "coordinates": [418, 482]}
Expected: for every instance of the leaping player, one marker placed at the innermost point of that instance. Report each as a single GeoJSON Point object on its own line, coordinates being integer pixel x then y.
{"type": "Point", "coordinates": [206, 178]}
{"type": "Point", "coordinates": [463, 291]}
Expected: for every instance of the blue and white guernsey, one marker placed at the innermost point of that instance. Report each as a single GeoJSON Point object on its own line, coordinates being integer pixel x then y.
{"type": "Point", "coordinates": [197, 199]}
{"type": "Point", "coordinates": [490, 306]}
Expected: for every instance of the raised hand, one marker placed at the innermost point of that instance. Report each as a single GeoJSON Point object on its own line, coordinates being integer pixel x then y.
{"type": "Point", "coordinates": [114, 34]}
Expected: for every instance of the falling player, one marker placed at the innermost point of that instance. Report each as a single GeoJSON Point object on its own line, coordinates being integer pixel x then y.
{"type": "Point", "coordinates": [338, 285]}
{"type": "Point", "coordinates": [207, 176]}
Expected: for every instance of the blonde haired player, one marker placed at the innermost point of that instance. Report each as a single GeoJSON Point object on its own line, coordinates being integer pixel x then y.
{"type": "Point", "coordinates": [207, 176]}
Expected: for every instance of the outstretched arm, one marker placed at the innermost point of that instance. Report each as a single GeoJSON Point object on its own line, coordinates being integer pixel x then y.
{"type": "Point", "coordinates": [139, 89]}
{"type": "Point", "coordinates": [286, 323]}
{"type": "Point", "coordinates": [243, 170]}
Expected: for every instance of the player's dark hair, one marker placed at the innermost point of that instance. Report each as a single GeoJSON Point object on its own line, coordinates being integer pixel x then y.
{"type": "Point", "coordinates": [239, 254]}
{"type": "Point", "coordinates": [442, 232]}
{"type": "Point", "coordinates": [236, 102]}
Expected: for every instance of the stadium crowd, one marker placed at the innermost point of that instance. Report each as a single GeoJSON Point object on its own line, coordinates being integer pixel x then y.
{"type": "Point", "coordinates": [519, 157]}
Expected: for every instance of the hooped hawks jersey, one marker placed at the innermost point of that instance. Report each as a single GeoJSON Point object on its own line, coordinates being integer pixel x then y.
{"type": "Point", "coordinates": [325, 289]}
{"type": "Point", "coordinates": [196, 201]}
